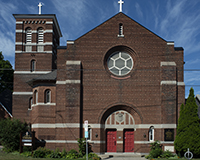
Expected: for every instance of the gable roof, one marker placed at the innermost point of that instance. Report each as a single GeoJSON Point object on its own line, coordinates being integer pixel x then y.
{"type": "Point", "coordinates": [120, 14]}
{"type": "Point", "coordinates": [6, 101]}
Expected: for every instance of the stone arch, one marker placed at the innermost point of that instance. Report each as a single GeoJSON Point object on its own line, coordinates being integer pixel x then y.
{"type": "Point", "coordinates": [120, 119]}
{"type": "Point", "coordinates": [116, 107]}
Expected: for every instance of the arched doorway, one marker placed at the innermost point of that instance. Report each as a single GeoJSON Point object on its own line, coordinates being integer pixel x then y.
{"type": "Point", "coordinates": [120, 126]}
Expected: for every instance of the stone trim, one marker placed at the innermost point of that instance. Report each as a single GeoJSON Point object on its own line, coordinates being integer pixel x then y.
{"type": "Point", "coordinates": [19, 22]}
{"type": "Point", "coordinates": [73, 62]}
{"type": "Point", "coordinates": [44, 104]}
{"type": "Point", "coordinates": [77, 125]}
{"type": "Point", "coordinates": [49, 52]}
{"type": "Point", "coordinates": [69, 82]}
{"type": "Point", "coordinates": [33, 31]}
{"type": "Point", "coordinates": [172, 83]}
{"type": "Point", "coordinates": [33, 44]}
{"type": "Point", "coordinates": [168, 82]}
{"type": "Point", "coordinates": [22, 93]}
{"type": "Point", "coordinates": [70, 42]}
{"type": "Point", "coordinates": [170, 43]}
{"type": "Point", "coordinates": [49, 22]}
{"type": "Point", "coordinates": [71, 141]}
{"type": "Point", "coordinates": [102, 142]}
{"type": "Point", "coordinates": [180, 83]}
{"type": "Point", "coordinates": [29, 72]}
{"type": "Point", "coordinates": [148, 142]}
{"type": "Point", "coordinates": [167, 64]}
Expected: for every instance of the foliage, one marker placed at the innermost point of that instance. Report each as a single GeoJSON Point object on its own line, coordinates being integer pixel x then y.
{"type": "Point", "coordinates": [26, 154]}
{"type": "Point", "coordinates": [167, 154]}
{"type": "Point", "coordinates": [41, 152]}
{"type": "Point", "coordinates": [6, 74]}
{"type": "Point", "coordinates": [63, 153]}
{"type": "Point", "coordinates": [10, 130]}
{"type": "Point", "coordinates": [156, 150]}
{"type": "Point", "coordinates": [92, 156]}
{"type": "Point", "coordinates": [188, 129]}
{"type": "Point", "coordinates": [55, 154]}
{"type": "Point", "coordinates": [72, 154]}
{"type": "Point", "coordinates": [82, 146]}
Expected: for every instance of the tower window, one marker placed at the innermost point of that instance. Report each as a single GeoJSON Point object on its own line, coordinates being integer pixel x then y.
{"type": "Point", "coordinates": [28, 40]}
{"type": "Point", "coordinates": [48, 96]}
{"type": "Point", "coordinates": [40, 32]}
{"type": "Point", "coordinates": [40, 35]}
{"type": "Point", "coordinates": [33, 65]}
{"type": "Point", "coordinates": [121, 30]}
{"type": "Point", "coordinates": [28, 35]}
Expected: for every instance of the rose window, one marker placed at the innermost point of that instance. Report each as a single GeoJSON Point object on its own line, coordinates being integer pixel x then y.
{"type": "Point", "coordinates": [120, 63]}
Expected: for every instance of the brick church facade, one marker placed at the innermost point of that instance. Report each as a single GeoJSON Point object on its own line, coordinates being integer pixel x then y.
{"type": "Point", "coordinates": [124, 79]}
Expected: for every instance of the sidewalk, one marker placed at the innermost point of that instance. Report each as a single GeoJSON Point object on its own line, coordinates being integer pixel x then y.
{"type": "Point", "coordinates": [122, 156]}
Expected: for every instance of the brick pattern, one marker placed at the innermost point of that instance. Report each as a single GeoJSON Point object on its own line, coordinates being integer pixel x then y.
{"type": "Point", "coordinates": [89, 91]}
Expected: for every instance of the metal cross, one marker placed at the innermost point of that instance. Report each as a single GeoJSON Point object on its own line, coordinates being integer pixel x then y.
{"type": "Point", "coordinates": [120, 5]}
{"type": "Point", "coordinates": [40, 6]}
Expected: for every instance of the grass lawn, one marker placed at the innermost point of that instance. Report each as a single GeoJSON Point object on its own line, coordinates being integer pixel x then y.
{"type": "Point", "coordinates": [16, 156]}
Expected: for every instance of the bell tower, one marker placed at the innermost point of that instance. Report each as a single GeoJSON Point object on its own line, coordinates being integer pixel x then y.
{"type": "Point", "coordinates": [37, 39]}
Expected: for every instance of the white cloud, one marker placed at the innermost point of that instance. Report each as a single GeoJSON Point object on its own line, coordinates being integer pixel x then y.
{"type": "Point", "coordinates": [138, 9]}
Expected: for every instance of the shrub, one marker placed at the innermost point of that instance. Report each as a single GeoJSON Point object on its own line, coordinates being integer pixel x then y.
{"type": "Point", "coordinates": [156, 150]}
{"type": "Point", "coordinates": [167, 154]}
{"type": "Point", "coordinates": [188, 128]}
{"type": "Point", "coordinates": [55, 154]}
{"type": "Point", "coordinates": [26, 154]}
{"type": "Point", "coordinates": [41, 152]}
{"type": "Point", "coordinates": [72, 154]}
{"type": "Point", "coordinates": [155, 153]}
{"type": "Point", "coordinates": [82, 146]}
{"type": "Point", "coordinates": [10, 130]}
{"type": "Point", "coordinates": [63, 153]}
{"type": "Point", "coordinates": [72, 151]}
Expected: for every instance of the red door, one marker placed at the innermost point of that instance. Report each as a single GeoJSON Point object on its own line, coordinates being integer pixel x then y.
{"type": "Point", "coordinates": [111, 140]}
{"type": "Point", "coordinates": [128, 141]}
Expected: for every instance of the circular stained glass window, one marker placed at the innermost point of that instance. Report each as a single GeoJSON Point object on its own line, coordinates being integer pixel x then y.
{"type": "Point", "coordinates": [120, 63]}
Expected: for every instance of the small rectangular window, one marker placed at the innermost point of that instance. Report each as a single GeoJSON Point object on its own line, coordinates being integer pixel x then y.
{"type": "Point", "coordinates": [40, 48]}
{"type": "Point", "coordinates": [28, 48]}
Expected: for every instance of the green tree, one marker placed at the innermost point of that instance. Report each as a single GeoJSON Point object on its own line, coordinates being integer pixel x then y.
{"type": "Point", "coordinates": [188, 129]}
{"type": "Point", "coordinates": [10, 130]}
{"type": "Point", "coordinates": [6, 74]}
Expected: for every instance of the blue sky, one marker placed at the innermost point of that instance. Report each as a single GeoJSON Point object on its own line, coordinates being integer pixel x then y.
{"type": "Point", "coordinates": [173, 20]}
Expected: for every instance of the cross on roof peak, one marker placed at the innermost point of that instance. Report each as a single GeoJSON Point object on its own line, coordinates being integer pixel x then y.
{"type": "Point", "coordinates": [120, 5]}
{"type": "Point", "coordinates": [40, 7]}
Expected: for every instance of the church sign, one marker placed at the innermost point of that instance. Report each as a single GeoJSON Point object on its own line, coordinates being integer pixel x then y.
{"type": "Point", "coordinates": [27, 139]}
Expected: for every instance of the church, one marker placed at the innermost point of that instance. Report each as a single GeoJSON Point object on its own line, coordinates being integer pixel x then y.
{"type": "Point", "coordinates": [125, 80]}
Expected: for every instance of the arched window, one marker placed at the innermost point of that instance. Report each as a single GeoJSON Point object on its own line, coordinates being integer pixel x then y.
{"type": "Point", "coordinates": [151, 133]}
{"type": "Point", "coordinates": [40, 40]}
{"type": "Point", "coordinates": [33, 65]}
{"type": "Point", "coordinates": [48, 96]}
{"type": "Point", "coordinates": [30, 102]}
{"type": "Point", "coordinates": [120, 29]}
{"type": "Point", "coordinates": [40, 35]}
{"type": "Point", "coordinates": [35, 97]}
{"type": "Point", "coordinates": [28, 40]}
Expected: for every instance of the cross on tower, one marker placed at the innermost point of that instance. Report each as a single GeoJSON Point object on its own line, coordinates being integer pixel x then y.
{"type": "Point", "coordinates": [120, 5]}
{"type": "Point", "coordinates": [40, 6]}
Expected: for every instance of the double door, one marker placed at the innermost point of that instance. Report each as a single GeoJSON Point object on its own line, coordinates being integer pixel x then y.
{"type": "Point", "coordinates": [128, 143]}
